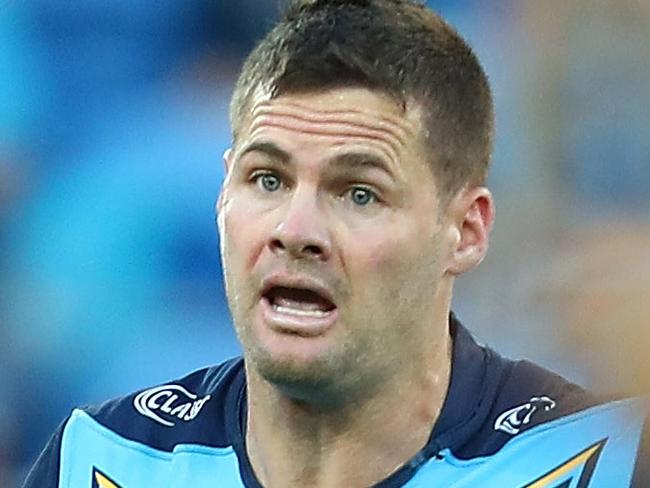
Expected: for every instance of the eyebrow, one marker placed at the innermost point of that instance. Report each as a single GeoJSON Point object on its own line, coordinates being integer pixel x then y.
{"type": "Point", "coordinates": [271, 149]}
{"type": "Point", "coordinates": [349, 161]}
{"type": "Point", "coordinates": [362, 160]}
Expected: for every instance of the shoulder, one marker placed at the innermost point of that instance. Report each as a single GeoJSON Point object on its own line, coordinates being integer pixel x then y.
{"type": "Point", "coordinates": [530, 395]}
{"type": "Point", "coordinates": [195, 409]}
{"type": "Point", "coordinates": [524, 396]}
{"type": "Point", "coordinates": [136, 436]}
{"type": "Point", "coordinates": [539, 414]}
{"type": "Point", "coordinates": [535, 424]}
{"type": "Point", "coordinates": [597, 445]}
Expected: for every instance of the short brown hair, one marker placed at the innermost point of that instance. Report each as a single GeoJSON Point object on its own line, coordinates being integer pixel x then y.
{"type": "Point", "coordinates": [398, 46]}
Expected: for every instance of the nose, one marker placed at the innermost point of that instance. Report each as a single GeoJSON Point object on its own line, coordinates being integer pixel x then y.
{"type": "Point", "coordinates": [302, 232]}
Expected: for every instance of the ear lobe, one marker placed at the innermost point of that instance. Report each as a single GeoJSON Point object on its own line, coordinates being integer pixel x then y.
{"type": "Point", "coordinates": [474, 215]}
{"type": "Point", "coordinates": [227, 164]}
{"type": "Point", "coordinates": [219, 203]}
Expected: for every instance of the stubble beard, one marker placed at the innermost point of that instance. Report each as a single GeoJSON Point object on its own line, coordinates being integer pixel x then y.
{"type": "Point", "coordinates": [328, 379]}
{"type": "Point", "coordinates": [353, 367]}
{"type": "Point", "coordinates": [336, 377]}
{"type": "Point", "coordinates": [308, 381]}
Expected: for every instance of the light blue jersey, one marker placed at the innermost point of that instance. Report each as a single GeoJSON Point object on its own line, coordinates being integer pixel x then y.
{"type": "Point", "coordinates": [504, 424]}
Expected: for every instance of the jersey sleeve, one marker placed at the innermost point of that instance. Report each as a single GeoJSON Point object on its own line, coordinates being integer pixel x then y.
{"type": "Point", "coordinates": [45, 471]}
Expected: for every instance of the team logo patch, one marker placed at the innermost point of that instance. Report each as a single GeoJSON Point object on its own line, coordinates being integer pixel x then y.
{"type": "Point", "coordinates": [100, 480]}
{"type": "Point", "coordinates": [511, 421]}
{"type": "Point", "coordinates": [574, 473]}
{"type": "Point", "coordinates": [169, 403]}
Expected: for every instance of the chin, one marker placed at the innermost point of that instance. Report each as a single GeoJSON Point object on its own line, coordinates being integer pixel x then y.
{"type": "Point", "coordinates": [311, 369]}
{"type": "Point", "coordinates": [281, 356]}
{"type": "Point", "coordinates": [308, 378]}
{"type": "Point", "coordinates": [292, 369]}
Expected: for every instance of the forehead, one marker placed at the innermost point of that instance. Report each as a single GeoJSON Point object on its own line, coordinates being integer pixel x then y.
{"type": "Point", "coordinates": [349, 114]}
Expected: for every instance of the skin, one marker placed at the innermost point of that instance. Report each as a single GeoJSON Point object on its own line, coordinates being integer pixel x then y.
{"type": "Point", "coordinates": [334, 188]}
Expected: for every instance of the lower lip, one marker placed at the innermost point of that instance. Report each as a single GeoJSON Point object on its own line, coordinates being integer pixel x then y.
{"type": "Point", "coordinates": [297, 324]}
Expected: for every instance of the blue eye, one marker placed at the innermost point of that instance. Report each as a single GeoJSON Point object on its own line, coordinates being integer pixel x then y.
{"type": "Point", "coordinates": [362, 196]}
{"type": "Point", "coordinates": [268, 182]}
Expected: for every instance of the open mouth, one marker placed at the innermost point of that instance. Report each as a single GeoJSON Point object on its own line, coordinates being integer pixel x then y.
{"type": "Point", "coordinates": [300, 302]}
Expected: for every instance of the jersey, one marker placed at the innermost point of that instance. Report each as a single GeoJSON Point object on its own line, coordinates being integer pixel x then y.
{"type": "Point", "coordinates": [503, 424]}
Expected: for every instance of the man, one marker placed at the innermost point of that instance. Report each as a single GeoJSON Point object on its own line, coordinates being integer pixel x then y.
{"type": "Point", "coordinates": [354, 196]}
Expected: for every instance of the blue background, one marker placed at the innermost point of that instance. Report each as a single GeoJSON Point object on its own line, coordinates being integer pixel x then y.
{"type": "Point", "coordinates": [113, 121]}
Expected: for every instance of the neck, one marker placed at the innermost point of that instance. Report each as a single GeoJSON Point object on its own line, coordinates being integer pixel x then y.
{"type": "Point", "coordinates": [353, 445]}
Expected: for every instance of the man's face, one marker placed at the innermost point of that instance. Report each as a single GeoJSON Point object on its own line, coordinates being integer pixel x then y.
{"type": "Point", "coordinates": [332, 240]}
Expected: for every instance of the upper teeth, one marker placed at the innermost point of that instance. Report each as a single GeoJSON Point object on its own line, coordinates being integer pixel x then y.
{"type": "Point", "coordinates": [296, 311]}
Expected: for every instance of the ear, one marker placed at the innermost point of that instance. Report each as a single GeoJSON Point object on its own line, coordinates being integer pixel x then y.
{"type": "Point", "coordinates": [228, 157]}
{"type": "Point", "coordinates": [472, 216]}
{"type": "Point", "coordinates": [227, 164]}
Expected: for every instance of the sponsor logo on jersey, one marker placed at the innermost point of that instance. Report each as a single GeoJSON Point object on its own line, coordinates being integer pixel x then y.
{"type": "Point", "coordinates": [169, 403]}
{"type": "Point", "coordinates": [574, 473]}
{"type": "Point", "coordinates": [511, 421]}
{"type": "Point", "coordinates": [100, 480]}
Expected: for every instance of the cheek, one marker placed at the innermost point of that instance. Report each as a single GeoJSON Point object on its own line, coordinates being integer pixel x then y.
{"type": "Point", "coordinates": [395, 269]}
{"type": "Point", "coordinates": [403, 246]}
{"type": "Point", "coordinates": [241, 241]}
{"type": "Point", "coordinates": [383, 265]}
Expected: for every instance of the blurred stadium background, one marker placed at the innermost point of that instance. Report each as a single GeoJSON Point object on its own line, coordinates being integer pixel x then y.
{"type": "Point", "coordinates": [113, 120]}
